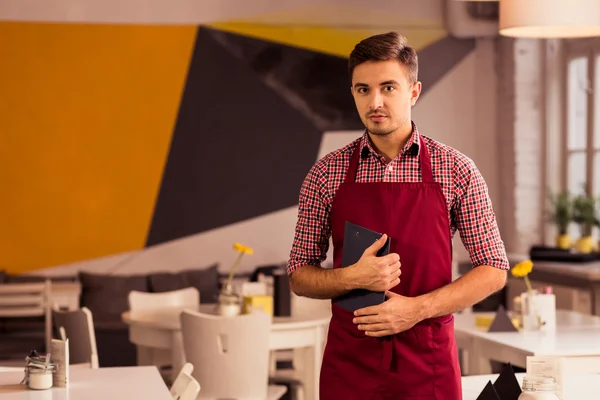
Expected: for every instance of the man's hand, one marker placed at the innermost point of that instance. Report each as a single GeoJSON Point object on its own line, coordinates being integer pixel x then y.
{"type": "Point", "coordinates": [397, 314]}
{"type": "Point", "coordinates": [378, 274]}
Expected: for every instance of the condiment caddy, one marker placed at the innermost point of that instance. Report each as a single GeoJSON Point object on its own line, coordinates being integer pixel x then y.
{"type": "Point", "coordinates": [39, 371]}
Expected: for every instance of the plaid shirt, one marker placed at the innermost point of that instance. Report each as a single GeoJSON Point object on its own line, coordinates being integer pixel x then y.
{"type": "Point", "coordinates": [469, 206]}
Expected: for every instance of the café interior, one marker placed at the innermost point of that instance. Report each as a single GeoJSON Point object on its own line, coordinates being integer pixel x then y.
{"type": "Point", "coordinates": [152, 158]}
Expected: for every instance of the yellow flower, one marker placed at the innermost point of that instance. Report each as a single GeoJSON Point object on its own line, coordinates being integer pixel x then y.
{"type": "Point", "coordinates": [243, 249]}
{"type": "Point", "coordinates": [240, 248]}
{"type": "Point", "coordinates": [522, 269]}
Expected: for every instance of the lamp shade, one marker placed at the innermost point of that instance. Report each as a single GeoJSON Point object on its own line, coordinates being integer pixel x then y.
{"type": "Point", "coordinates": [550, 18]}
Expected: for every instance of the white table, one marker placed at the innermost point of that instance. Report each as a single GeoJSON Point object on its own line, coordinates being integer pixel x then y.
{"type": "Point", "coordinates": [123, 383]}
{"type": "Point", "coordinates": [575, 386]}
{"type": "Point", "coordinates": [577, 336]}
{"type": "Point", "coordinates": [161, 329]}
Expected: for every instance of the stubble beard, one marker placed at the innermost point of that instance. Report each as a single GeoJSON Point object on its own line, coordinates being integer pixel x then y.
{"type": "Point", "coordinates": [379, 130]}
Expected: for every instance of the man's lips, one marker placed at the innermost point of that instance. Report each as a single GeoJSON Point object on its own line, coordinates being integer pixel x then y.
{"type": "Point", "coordinates": [377, 117]}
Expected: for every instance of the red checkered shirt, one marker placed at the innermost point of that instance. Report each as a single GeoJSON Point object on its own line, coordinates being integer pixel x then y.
{"type": "Point", "coordinates": [469, 206]}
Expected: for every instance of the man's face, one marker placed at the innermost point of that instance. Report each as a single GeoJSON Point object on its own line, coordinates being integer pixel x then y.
{"type": "Point", "coordinates": [384, 95]}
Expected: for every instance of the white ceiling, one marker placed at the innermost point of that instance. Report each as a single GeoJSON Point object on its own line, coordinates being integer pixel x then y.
{"type": "Point", "coordinates": [340, 13]}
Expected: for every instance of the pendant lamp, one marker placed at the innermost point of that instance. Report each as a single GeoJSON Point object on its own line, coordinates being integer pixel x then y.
{"type": "Point", "coordinates": [549, 18]}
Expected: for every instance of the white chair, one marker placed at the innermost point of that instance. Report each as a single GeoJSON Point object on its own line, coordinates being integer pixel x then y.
{"type": "Point", "coordinates": [78, 327]}
{"type": "Point", "coordinates": [305, 306]}
{"type": "Point", "coordinates": [185, 387]}
{"type": "Point", "coordinates": [140, 301]}
{"type": "Point", "coordinates": [144, 301]}
{"type": "Point", "coordinates": [19, 300]}
{"type": "Point", "coordinates": [230, 355]}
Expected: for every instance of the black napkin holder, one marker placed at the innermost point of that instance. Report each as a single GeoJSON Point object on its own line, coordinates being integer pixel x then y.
{"type": "Point", "coordinates": [506, 386]}
{"type": "Point", "coordinates": [489, 393]}
{"type": "Point", "coordinates": [502, 322]}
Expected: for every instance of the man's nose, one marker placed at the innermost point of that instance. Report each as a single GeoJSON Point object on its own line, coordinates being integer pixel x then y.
{"type": "Point", "coordinates": [376, 101]}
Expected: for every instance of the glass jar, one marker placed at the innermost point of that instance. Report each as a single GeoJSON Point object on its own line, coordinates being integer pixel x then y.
{"type": "Point", "coordinates": [229, 302]}
{"type": "Point", "coordinates": [539, 388]}
{"type": "Point", "coordinates": [39, 379]}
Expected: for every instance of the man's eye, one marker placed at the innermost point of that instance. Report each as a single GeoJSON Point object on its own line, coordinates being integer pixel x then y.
{"type": "Point", "coordinates": [362, 90]}
{"type": "Point", "coordinates": [388, 88]}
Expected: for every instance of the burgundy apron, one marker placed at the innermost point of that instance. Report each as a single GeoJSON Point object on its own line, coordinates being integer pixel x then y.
{"type": "Point", "coordinates": [423, 361]}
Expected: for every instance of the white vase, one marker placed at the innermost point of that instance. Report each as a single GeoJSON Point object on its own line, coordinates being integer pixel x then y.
{"type": "Point", "coordinates": [534, 305]}
{"type": "Point", "coordinates": [229, 302]}
{"type": "Point", "coordinates": [229, 310]}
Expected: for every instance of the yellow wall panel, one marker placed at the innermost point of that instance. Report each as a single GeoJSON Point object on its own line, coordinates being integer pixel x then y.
{"type": "Point", "coordinates": [86, 117]}
{"type": "Point", "coordinates": [334, 41]}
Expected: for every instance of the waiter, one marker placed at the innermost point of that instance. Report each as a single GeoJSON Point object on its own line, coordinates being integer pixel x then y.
{"type": "Point", "coordinates": [417, 192]}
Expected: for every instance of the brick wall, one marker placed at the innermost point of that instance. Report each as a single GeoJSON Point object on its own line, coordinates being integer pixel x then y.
{"type": "Point", "coordinates": [521, 141]}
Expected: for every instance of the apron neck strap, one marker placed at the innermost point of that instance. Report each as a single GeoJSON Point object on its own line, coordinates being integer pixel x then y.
{"type": "Point", "coordinates": [424, 161]}
{"type": "Point", "coordinates": [351, 173]}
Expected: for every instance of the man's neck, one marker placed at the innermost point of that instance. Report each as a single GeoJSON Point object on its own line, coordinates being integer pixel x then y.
{"type": "Point", "coordinates": [391, 145]}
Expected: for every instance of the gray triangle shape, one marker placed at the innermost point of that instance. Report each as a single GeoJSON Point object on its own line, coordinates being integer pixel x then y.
{"type": "Point", "coordinates": [502, 322]}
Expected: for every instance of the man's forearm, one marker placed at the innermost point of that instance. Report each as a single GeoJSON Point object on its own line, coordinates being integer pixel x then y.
{"type": "Point", "coordinates": [471, 288]}
{"type": "Point", "coordinates": [321, 283]}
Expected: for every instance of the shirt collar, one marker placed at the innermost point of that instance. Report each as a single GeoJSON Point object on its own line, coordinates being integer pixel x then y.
{"type": "Point", "coordinates": [411, 147]}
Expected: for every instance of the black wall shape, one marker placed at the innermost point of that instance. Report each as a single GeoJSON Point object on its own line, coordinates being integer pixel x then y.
{"type": "Point", "coordinates": [437, 59]}
{"type": "Point", "coordinates": [315, 84]}
{"type": "Point", "coordinates": [238, 150]}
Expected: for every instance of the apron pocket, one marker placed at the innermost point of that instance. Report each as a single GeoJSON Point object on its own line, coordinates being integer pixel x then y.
{"type": "Point", "coordinates": [447, 368]}
{"type": "Point", "coordinates": [351, 358]}
{"type": "Point", "coordinates": [412, 369]}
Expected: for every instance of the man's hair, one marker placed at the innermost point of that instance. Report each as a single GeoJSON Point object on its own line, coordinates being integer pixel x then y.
{"type": "Point", "coordinates": [385, 47]}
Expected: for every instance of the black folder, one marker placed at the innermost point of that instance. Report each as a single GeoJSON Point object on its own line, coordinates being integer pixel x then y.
{"type": "Point", "coordinates": [356, 241]}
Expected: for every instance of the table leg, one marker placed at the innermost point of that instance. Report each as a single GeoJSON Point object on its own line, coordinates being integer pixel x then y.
{"type": "Point", "coordinates": [464, 362]}
{"type": "Point", "coordinates": [318, 359]}
{"type": "Point", "coordinates": [595, 299]}
{"type": "Point", "coordinates": [144, 355]}
{"type": "Point", "coordinates": [177, 353]}
{"type": "Point", "coordinates": [478, 365]}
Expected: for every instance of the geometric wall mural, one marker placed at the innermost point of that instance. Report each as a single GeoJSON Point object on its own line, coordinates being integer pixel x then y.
{"type": "Point", "coordinates": [248, 131]}
{"type": "Point", "coordinates": [125, 137]}
{"type": "Point", "coordinates": [250, 125]}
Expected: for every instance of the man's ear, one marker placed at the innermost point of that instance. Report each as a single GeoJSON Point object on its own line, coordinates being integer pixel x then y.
{"type": "Point", "coordinates": [416, 92]}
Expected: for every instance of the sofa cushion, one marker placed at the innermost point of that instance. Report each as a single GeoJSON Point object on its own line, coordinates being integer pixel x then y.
{"type": "Point", "coordinates": [167, 281]}
{"type": "Point", "coordinates": [206, 280]}
{"type": "Point", "coordinates": [107, 296]}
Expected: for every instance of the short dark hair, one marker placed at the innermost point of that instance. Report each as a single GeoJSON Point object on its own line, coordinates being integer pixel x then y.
{"type": "Point", "coordinates": [385, 47]}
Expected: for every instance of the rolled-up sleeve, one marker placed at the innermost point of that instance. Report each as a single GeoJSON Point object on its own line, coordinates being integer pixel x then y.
{"type": "Point", "coordinates": [474, 217]}
{"type": "Point", "coordinates": [313, 228]}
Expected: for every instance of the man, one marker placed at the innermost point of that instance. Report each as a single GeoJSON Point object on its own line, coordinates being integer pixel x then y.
{"type": "Point", "coordinates": [417, 192]}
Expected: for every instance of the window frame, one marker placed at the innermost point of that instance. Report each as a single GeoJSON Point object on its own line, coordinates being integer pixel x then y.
{"type": "Point", "coordinates": [590, 49]}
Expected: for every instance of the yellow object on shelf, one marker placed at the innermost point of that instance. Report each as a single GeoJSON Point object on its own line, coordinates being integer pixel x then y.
{"type": "Point", "coordinates": [258, 302]}
{"type": "Point", "coordinates": [485, 321]}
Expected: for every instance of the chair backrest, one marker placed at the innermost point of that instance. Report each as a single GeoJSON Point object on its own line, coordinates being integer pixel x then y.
{"type": "Point", "coordinates": [78, 326]}
{"type": "Point", "coordinates": [188, 297]}
{"type": "Point", "coordinates": [24, 299]}
{"type": "Point", "coordinates": [185, 386]}
{"type": "Point", "coordinates": [19, 300]}
{"type": "Point", "coordinates": [230, 354]}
